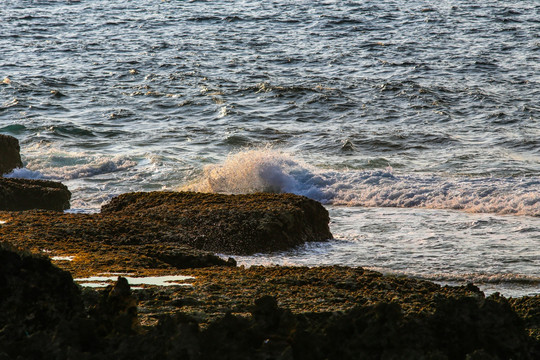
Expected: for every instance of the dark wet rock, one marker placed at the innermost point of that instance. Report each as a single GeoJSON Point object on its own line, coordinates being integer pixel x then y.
{"type": "Point", "coordinates": [33, 291]}
{"type": "Point", "coordinates": [528, 308]}
{"type": "Point", "coordinates": [184, 257]}
{"type": "Point", "coordinates": [43, 315]}
{"type": "Point", "coordinates": [235, 224]}
{"type": "Point", "coordinates": [35, 297]}
{"type": "Point", "coordinates": [10, 157]}
{"type": "Point", "coordinates": [116, 312]}
{"type": "Point", "coordinates": [24, 194]}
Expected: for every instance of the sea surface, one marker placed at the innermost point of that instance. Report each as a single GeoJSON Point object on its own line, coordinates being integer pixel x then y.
{"type": "Point", "coordinates": [416, 123]}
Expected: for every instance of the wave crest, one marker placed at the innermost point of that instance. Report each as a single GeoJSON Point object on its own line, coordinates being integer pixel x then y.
{"type": "Point", "coordinates": [268, 170]}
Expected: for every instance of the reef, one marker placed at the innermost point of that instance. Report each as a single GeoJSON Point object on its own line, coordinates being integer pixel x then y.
{"type": "Point", "coordinates": [234, 224]}
{"type": "Point", "coordinates": [168, 230]}
{"type": "Point", "coordinates": [226, 311]}
{"type": "Point", "coordinates": [255, 313]}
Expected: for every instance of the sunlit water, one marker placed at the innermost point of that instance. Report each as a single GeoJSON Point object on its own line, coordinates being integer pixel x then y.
{"type": "Point", "coordinates": [416, 123]}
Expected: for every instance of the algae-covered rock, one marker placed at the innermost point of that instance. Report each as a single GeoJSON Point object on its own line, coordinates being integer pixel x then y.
{"type": "Point", "coordinates": [24, 194]}
{"type": "Point", "coordinates": [164, 230]}
{"type": "Point", "coordinates": [101, 243]}
{"type": "Point", "coordinates": [44, 315]}
{"type": "Point", "coordinates": [10, 157]}
{"type": "Point", "coordinates": [235, 224]}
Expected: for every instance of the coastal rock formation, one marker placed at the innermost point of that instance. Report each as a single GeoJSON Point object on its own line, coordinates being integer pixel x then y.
{"type": "Point", "coordinates": [166, 230]}
{"type": "Point", "coordinates": [24, 194]}
{"type": "Point", "coordinates": [10, 157]}
{"type": "Point", "coordinates": [43, 315]}
{"type": "Point", "coordinates": [34, 297]}
{"type": "Point", "coordinates": [97, 243]}
{"type": "Point", "coordinates": [234, 224]}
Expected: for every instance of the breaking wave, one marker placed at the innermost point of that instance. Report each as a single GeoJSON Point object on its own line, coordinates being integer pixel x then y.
{"type": "Point", "coordinates": [268, 170]}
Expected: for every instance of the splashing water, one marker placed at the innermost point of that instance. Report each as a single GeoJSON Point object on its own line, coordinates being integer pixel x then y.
{"type": "Point", "coordinates": [269, 170]}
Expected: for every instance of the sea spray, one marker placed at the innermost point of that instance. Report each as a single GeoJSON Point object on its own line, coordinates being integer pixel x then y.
{"type": "Point", "coordinates": [270, 170]}
{"type": "Point", "coordinates": [249, 171]}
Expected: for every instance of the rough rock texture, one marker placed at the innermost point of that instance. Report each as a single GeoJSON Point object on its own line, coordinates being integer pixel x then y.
{"type": "Point", "coordinates": [24, 194]}
{"type": "Point", "coordinates": [101, 243]}
{"type": "Point", "coordinates": [33, 295]}
{"type": "Point", "coordinates": [10, 157]}
{"type": "Point", "coordinates": [166, 230]}
{"type": "Point", "coordinates": [43, 315]}
{"type": "Point", "coordinates": [228, 312]}
{"type": "Point", "coordinates": [235, 224]}
{"type": "Point", "coordinates": [528, 308]}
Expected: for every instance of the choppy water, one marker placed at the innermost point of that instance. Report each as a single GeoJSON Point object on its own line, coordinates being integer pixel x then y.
{"type": "Point", "coordinates": [417, 123]}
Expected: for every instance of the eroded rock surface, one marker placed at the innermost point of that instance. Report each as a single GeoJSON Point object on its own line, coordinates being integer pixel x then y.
{"type": "Point", "coordinates": [10, 157]}
{"type": "Point", "coordinates": [166, 230]}
{"type": "Point", "coordinates": [24, 194]}
{"type": "Point", "coordinates": [234, 224]}
{"type": "Point", "coordinates": [43, 315]}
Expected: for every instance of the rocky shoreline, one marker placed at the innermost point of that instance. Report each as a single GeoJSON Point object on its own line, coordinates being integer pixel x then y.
{"type": "Point", "coordinates": [224, 311]}
{"type": "Point", "coordinates": [257, 313]}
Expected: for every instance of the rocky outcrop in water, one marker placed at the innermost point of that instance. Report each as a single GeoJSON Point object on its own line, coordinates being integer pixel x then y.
{"type": "Point", "coordinates": [24, 194]}
{"type": "Point", "coordinates": [167, 230]}
{"type": "Point", "coordinates": [10, 157]}
{"type": "Point", "coordinates": [229, 312]}
{"type": "Point", "coordinates": [235, 224]}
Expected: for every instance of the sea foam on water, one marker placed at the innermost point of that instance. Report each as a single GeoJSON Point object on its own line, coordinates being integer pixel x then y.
{"type": "Point", "coordinates": [271, 170]}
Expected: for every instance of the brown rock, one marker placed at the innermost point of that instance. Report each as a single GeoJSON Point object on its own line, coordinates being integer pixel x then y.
{"type": "Point", "coordinates": [165, 230]}
{"type": "Point", "coordinates": [235, 224]}
{"type": "Point", "coordinates": [10, 157]}
{"type": "Point", "coordinates": [24, 194]}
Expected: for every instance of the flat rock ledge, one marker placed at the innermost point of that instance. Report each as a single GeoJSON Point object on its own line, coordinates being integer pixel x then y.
{"type": "Point", "coordinates": [24, 194]}
{"type": "Point", "coordinates": [257, 313]}
{"type": "Point", "coordinates": [166, 230]}
{"type": "Point", "coordinates": [234, 224]}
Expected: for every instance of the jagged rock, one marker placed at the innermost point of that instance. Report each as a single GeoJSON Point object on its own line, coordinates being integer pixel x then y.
{"type": "Point", "coordinates": [35, 297]}
{"type": "Point", "coordinates": [235, 224]}
{"type": "Point", "coordinates": [43, 315]}
{"type": "Point", "coordinates": [24, 194]}
{"type": "Point", "coordinates": [116, 311]}
{"type": "Point", "coordinates": [10, 157]}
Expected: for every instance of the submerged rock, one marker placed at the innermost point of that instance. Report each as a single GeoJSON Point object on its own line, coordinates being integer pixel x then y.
{"type": "Point", "coordinates": [24, 194]}
{"type": "Point", "coordinates": [10, 157]}
{"type": "Point", "coordinates": [235, 224]}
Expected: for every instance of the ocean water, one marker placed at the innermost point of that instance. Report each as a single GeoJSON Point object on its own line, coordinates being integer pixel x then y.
{"type": "Point", "coordinates": [416, 123]}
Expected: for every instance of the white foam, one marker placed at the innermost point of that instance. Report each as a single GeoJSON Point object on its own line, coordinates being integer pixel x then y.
{"type": "Point", "coordinates": [476, 278]}
{"type": "Point", "coordinates": [62, 258]}
{"type": "Point", "coordinates": [89, 167]}
{"type": "Point", "coordinates": [268, 170]}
